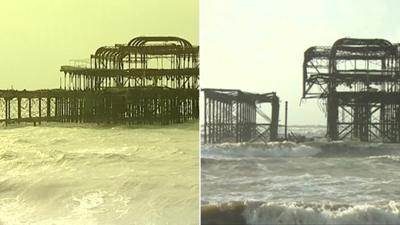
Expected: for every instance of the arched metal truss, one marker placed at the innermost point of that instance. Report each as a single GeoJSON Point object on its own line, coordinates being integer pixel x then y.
{"type": "Point", "coordinates": [149, 80]}
{"type": "Point", "coordinates": [145, 61]}
{"type": "Point", "coordinates": [360, 81]}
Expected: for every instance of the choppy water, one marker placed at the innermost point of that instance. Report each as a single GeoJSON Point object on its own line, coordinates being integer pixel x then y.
{"type": "Point", "coordinates": [306, 183]}
{"type": "Point", "coordinates": [62, 174]}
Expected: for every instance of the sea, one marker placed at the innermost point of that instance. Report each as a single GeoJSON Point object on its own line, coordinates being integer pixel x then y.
{"type": "Point", "coordinates": [316, 182]}
{"type": "Point", "coordinates": [59, 174]}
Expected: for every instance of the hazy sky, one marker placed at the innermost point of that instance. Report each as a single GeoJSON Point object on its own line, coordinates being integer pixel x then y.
{"type": "Point", "coordinates": [258, 45]}
{"type": "Point", "coordinates": [37, 37]}
{"type": "Point", "coordinates": [254, 45]}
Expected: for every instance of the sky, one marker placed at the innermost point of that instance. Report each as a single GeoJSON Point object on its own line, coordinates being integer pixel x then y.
{"type": "Point", "coordinates": [253, 45]}
{"type": "Point", "coordinates": [258, 45]}
{"type": "Point", "coordinates": [37, 37]}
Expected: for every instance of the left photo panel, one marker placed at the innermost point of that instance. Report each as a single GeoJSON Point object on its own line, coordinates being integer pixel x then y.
{"type": "Point", "coordinates": [99, 109]}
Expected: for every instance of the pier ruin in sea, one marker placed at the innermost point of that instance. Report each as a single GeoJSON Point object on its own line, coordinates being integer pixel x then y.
{"type": "Point", "coordinates": [232, 115]}
{"type": "Point", "coordinates": [359, 82]}
{"type": "Point", "coordinates": [149, 80]}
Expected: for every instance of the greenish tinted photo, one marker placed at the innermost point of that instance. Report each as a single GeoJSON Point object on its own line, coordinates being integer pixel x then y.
{"type": "Point", "coordinates": [99, 108]}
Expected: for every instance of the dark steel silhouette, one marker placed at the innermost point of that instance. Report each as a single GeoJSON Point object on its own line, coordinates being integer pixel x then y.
{"type": "Point", "coordinates": [359, 80]}
{"type": "Point", "coordinates": [233, 116]}
{"type": "Point", "coordinates": [149, 80]}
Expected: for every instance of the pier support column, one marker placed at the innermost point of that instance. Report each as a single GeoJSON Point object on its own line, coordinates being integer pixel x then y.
{"type": "Point", "coordinates": [274, 118]}
{"type": "Point", "coordinates": [48, 110]}
{"type": "Point", "coordinates": [6, 108]}
{"type": "Point", "coordinates": [286, 119]}
{"type": "Point", "coordinates": [205, 119]}
{"type": "Point", "coordinates": [40, 111]}
{"type": "Point", "coordinates": [29, 108]}
{"type": "Point", "coordinates": [332, 111]}
{"type": "Point", "coordinates": [19, 109]}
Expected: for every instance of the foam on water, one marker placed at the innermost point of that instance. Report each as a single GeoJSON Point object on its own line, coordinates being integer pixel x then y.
{"type": "Point", "coordinates": [318, 182]}
{"type": "Point", "coordinates": [94, 175]}
{"type": "Point", "coordinates": [297, 213]}
{"type": "Point", "coordinates": [291, 149]}
{"type": "Point", "coordinates": [390, 158]}
{"type": "Point", "coordinates": [253, 150]}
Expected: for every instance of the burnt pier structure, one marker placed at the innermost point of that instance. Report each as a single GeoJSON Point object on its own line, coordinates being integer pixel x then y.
{"type": "Point", "coordinates": [359, 82]}
{"type": "Point", "coordinates": [149, 80]}
{"type": "Point", "coordinates": [232, 115]}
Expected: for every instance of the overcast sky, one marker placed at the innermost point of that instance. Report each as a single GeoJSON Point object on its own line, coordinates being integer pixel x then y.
{"type": "Point", "coordinates": [38, 36]}
{"type": "Point", "coordinates": [258, 45]}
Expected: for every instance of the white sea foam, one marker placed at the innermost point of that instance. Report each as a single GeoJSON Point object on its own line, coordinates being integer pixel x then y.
{"type": "Point", "coordinates": [271, 149]}
{"type": "Point", "coordinates": [341, 172]}
{"type": "Point", "coordinates": [308, 149]}
{"type": "Point", "coordinates": [395, 158]}
{"type": "Point", "coordinates": [94, 175]}
{"type": "Point", "coordinates": [322, 214]}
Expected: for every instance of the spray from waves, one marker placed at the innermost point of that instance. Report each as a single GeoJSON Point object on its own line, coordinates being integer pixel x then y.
{"type": "Point", "coordinates": [386, 158]}
{"type": "Point", "coordinates": [271, 149]}
{"type": "Point", "coordinates": [98, 175]}
{"type": "Point", "coordinates": [291, 149]}
{"type": "Point", "coordinates": [260, 213]}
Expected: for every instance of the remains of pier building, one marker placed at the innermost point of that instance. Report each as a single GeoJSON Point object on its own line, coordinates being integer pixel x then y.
{"type": "Point", "coordinates": [359, 81]}
{"type": "Point", "coordinates": [149, 80]}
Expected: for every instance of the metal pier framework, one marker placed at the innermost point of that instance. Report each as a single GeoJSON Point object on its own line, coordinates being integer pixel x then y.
{"type": "Point", "coordinates": [149, 80]}
{"type": "Point", "coordinates": [236, 116]}
{"type": "Point", "coordinates": [359, 81]}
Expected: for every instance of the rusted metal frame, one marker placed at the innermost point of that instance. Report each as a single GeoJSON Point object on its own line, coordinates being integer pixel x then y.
{"type": "Point", "coordinates": [240, 105]}
{"type": "Point", "coordinates": [346, 134]}
{"type": "Point", "coordinates": [343, 130]}
{"type": "Point", "coordinates": [141, 41]}
{"type": "Point", "coordinates": [264, 136]}
{"type": "Point", "coordinates": [344, 109]}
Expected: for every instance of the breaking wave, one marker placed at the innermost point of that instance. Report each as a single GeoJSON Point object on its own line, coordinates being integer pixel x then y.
{"type": "Point", "coordinates": [94, 175]}
{"type": "Point", "coordinates": [291, 149]}
{"type": "Point", "coordinates": [297, 213]}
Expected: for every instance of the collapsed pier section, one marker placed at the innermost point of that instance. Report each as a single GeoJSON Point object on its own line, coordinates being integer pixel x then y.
{"type": "Point", "coordinates": [231, 115]}
{"type": "Point", "coordinates": [359, 82]}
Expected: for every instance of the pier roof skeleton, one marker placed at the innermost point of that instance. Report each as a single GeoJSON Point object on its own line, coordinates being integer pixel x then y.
{"type": "Point", "coordinates": [149, 80]}
{"type": "Point", "coordinates": [321, 64]}
{"type": "Point", "coordinates": [360, 81]}
{"type": "Point", "coordinates": [144, 61]}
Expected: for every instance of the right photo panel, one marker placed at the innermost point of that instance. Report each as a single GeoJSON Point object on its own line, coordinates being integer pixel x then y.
{"type": "Point", "coordinates": [300, 112]}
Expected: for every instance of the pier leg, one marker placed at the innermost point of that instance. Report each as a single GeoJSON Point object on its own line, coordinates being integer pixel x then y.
{"type": "Point", "coordinates": [332, 108]}
{"type": "Point", "coordinates": [19, 109]}
{"type": "Point", "coordinates": [30, 108]}
{"type": "Point", "coordinates": [286, 119]}
{"type": "Point", "coordinates": [40, 111]}
{"type": "Point", "coordinates": [48, 110]}
{"type": "Point", "coordinates": [274, 119]}
{"type": "Point", "coordinates": [205, 118]}
{"type": "Point", "coordinates": [6, 111]}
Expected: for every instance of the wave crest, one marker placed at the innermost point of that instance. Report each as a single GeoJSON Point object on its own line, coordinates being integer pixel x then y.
{"type": "Point", "coordinates": [271, 149]}
{"type": "Point", "coordinates": [291, 149]}
{"type": "Point", "coordinates": [260, 213]}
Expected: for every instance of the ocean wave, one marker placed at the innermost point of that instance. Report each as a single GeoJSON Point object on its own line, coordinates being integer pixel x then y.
{"type": "Point", "coordinates": [271, 149]}
{"type": "Point", "coordinates": [290, 149]}
{"type": "Point", "coordinates": [261, 213]}
{"type": "Point", "coordinates": [386, 158]}
{"type": "Point", "coordinates": [8, 155]}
